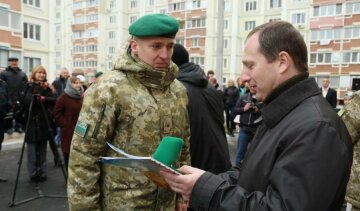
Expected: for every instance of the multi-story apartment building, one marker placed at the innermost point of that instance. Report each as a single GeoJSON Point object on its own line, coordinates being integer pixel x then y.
{"type": "Point", "coordinates": [85, 34]}
{"type": "Point", "coordinates": [62, 43]}
{"type": "Point", "coordinates": [10, 31]}
{"type": "Point", "coordinates": [36, 23]}
{"type": "Point", "coordinates": [335, 43]}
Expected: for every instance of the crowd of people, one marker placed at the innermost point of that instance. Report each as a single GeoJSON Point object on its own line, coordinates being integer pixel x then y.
{"type": "Point", "coordinates": [294, 151]}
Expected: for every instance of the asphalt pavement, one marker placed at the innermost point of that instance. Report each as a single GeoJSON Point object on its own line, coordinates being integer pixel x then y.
{"type": "Point", "coordinates": [26, 190]}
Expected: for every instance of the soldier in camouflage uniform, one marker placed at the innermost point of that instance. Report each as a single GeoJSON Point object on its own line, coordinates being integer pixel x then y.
{"type": "Point", "coordinates": [351, 116]}
{"type": "Point", "coordinates": [134, 106]}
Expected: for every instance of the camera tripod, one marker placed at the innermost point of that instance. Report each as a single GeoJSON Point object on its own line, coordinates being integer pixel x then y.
{"type": "Point", "coordinates": [51, 135]}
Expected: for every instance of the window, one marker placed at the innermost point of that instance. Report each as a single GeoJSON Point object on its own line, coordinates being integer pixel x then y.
{"type": "Point", "coordinates": [298, 1]}
{"type": "Point", "coordinates": [91, 18]}
{"type": "Point", "coordinates": [111, 49]}
{"type": "Point", "coordinates": [249, 25]}
{"type": "Point", "coordinates": [4, 55]}
{"type": "Point", "coordinates": [58, 28]}
{"type": "Point", "coordinates": [15, 21]}
{"type": "Point", "coordinates": [196, 4]}
{"type": "Point", "coordinates": [112, 19]}
{"type": "Point", "coordinates": [112, 4]}
{"type": "Point", "coordinates": [162, 11]}
{"type": "Point", "coordinates": [34, 3]}
{"type": "Point", "coordinates": [58, 54]}
{"type": "Point", "coordinates": [112, 35]}
{"type": "Point", "coordinates": [91, 33]}
{"type": "Point", "coordinates": [274, 19]}
{"type": "Point", "coordinates": [351, 57]}
{"type": "Point", "coordinates": [58, 15]}
{"type": "Point", "coordinates": [151, 2]}
{"type": "Point", "coordinates": [250, 6]}
{"type": "Point", "coordinates": [327, 10]}
{"type": "Point", "coordinates": [91, 48]}
{"type": "Point", "coordinates": [91, 3]}
{"type": "Point", "coordinates": [176, 6]}
{"type": "Point", "coordinates": [353, 32]}
{"type": "Point", "coordinates": [324, 58]}
{"type": "Point", "coordinates": [275, 4]}
{"type": "Point", "coordinates": [195, 41]}
{"type": "Point", "coordinates": [298, 18]}
{"type": "Point", "coordinates": [180, 41]}
{"type": "Point", "coordinates": [225, 63]}
{"type": "Point", "coordinates": [226, 41]}
{"type": "Point", "coordinates": [334, 80]}
{"type": "Point", "coordinates": [196, 23]}
{"type": "Point", "coordinates": [227, 6]}
{"type": "Point", "coordinates": [4, 17]}
{"type": "Point", "coordinates": [30, 63]}
{"type": "Point", "coordinates": [133, 3]}
{"type": "Point", "coordinates": [32, 31]}
{"type": "Point", "coordinates": [198, 60]}
{"type": "Point", "coordinates": [78, 49]}
{"type": "Point", "coordinates": [133, 18]}
{"type": "Point", "coordinates": [58, 2]}
{"type": "Point", "coordinates": [326, 34]}
{"type": "Point", "coordinates": [353, 8]}
{"type": "Point", "coordinates": [110, 65]}
{"type": "Point", "coordinates": [226, 24]}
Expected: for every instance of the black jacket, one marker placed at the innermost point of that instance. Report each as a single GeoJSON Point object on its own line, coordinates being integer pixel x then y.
{"type": "Point", "coordinates": [41, 125]}
{"type": "Point", "coordinates": [208, 144]}
{"type": "Point", "coordinates": [331, 97]}
{"type": "Point", "coordinates": [299, 159]}
{"type": "Point", "coordinates": [231, 95]}
{"type": "Point", "coordinates": [59, 85]}
{"type": "Point", "coordinates": [4, 99]}
{"type": "Point", "coordinates": [249, 120]}
{"type": "Point", "coordinates": [16, 81]}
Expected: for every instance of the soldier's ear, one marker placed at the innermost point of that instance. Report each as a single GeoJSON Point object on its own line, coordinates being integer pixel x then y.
{"type": "Point", "coordinates": [134, 45]}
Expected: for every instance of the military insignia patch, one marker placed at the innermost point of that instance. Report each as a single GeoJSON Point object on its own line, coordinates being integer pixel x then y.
{"type": "Point", "coordinates": [341, 112]}
{"type": "Point", "coordinates": [81, 129]}
{"type": "Point", "coordinates": [167, 124]}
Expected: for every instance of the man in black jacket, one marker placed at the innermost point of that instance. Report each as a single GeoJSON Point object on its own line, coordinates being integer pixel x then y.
{"type": "Point", "coordinates": [301, 155]}
{"type": "Point", "coordinates": [328, 93]}
{"type": "Point", "coordinates": [248, 108]}
{"type": "Point", "coordinates": [16, 81]}
{"type": "Point", "coordinates": [60, 83]}
{"type": "Point", "coordinates": [208, 145]}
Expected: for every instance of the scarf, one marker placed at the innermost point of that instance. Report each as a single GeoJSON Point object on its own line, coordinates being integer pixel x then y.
{"type": "Point", "coordinates": [72, 92]}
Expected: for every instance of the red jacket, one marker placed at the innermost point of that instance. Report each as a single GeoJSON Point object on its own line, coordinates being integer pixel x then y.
{"type": "Point", "coordinates": [66, 114]}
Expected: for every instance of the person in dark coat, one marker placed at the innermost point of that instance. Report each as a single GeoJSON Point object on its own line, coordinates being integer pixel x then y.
{"type": "Point", "coordinates": [16, 81]}
{"type": "Point", "coordinates": [60, 83]}
{"type": "Point", "coordinates": [328, 93]}
{"type": "Point", "coordinates": [208, 144]}
{"type": "Point", "coordinates": [231, 95]}
{"type": "Point", "coordinates": [39, 128]}
{"type": "Point", "coordinates": [66, 112]}
{"type": "Point", "coordinates": [4, 107]}
{"type": "Point", "coordinates": [301, 155]}
{"type": "Point", "coordinates": [248, 108]}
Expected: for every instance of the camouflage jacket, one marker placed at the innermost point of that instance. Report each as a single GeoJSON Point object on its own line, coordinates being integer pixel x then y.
{"type": "Point", "coordinates": [351, 116]}
{"type": "Point", "coordinates": [133, 107]}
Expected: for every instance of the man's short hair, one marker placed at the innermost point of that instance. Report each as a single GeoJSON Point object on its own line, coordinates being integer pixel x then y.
{"type": "Point", "coordinates": [180, 55]}
{"type": "Point", "coordinates": [12, 59]}
{"type": "Point", "coordinates": [210, 72]}
{"type": "Point", "coordinates": [278, 36]}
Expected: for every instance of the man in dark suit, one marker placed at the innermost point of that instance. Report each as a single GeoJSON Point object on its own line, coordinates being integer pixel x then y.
{"type": "Point", "coordinates": [329, 93]}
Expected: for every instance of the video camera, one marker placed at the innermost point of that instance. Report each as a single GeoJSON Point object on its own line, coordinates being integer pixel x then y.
{"type": "Point", "coordinates": [253, 102]}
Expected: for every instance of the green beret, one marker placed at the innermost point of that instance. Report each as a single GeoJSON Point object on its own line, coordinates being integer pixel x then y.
{"type": "Point", "coordinates": [154, 25]}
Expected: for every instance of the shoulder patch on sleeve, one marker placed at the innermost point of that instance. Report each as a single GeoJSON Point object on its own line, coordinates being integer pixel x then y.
{"type": "Point", "coordinates": [81, 129]}
{"type": "Point", "coordinates": [341, 112]}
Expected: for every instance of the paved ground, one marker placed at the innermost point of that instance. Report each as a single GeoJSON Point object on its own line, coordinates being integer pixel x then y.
{"type": "Point", "coordinates": [55, 184]}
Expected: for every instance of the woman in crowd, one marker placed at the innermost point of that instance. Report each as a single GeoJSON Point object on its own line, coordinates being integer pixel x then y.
{"type": "Point", "coordinates": [39, 126]}
{"type": "Point", "coordinates": [67, 109]}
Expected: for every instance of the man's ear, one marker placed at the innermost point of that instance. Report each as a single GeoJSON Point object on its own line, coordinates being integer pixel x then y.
{"type": "Point", "coordinates": [284, 61]}
{"type": "Point", "coordinates": [134, 45]}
